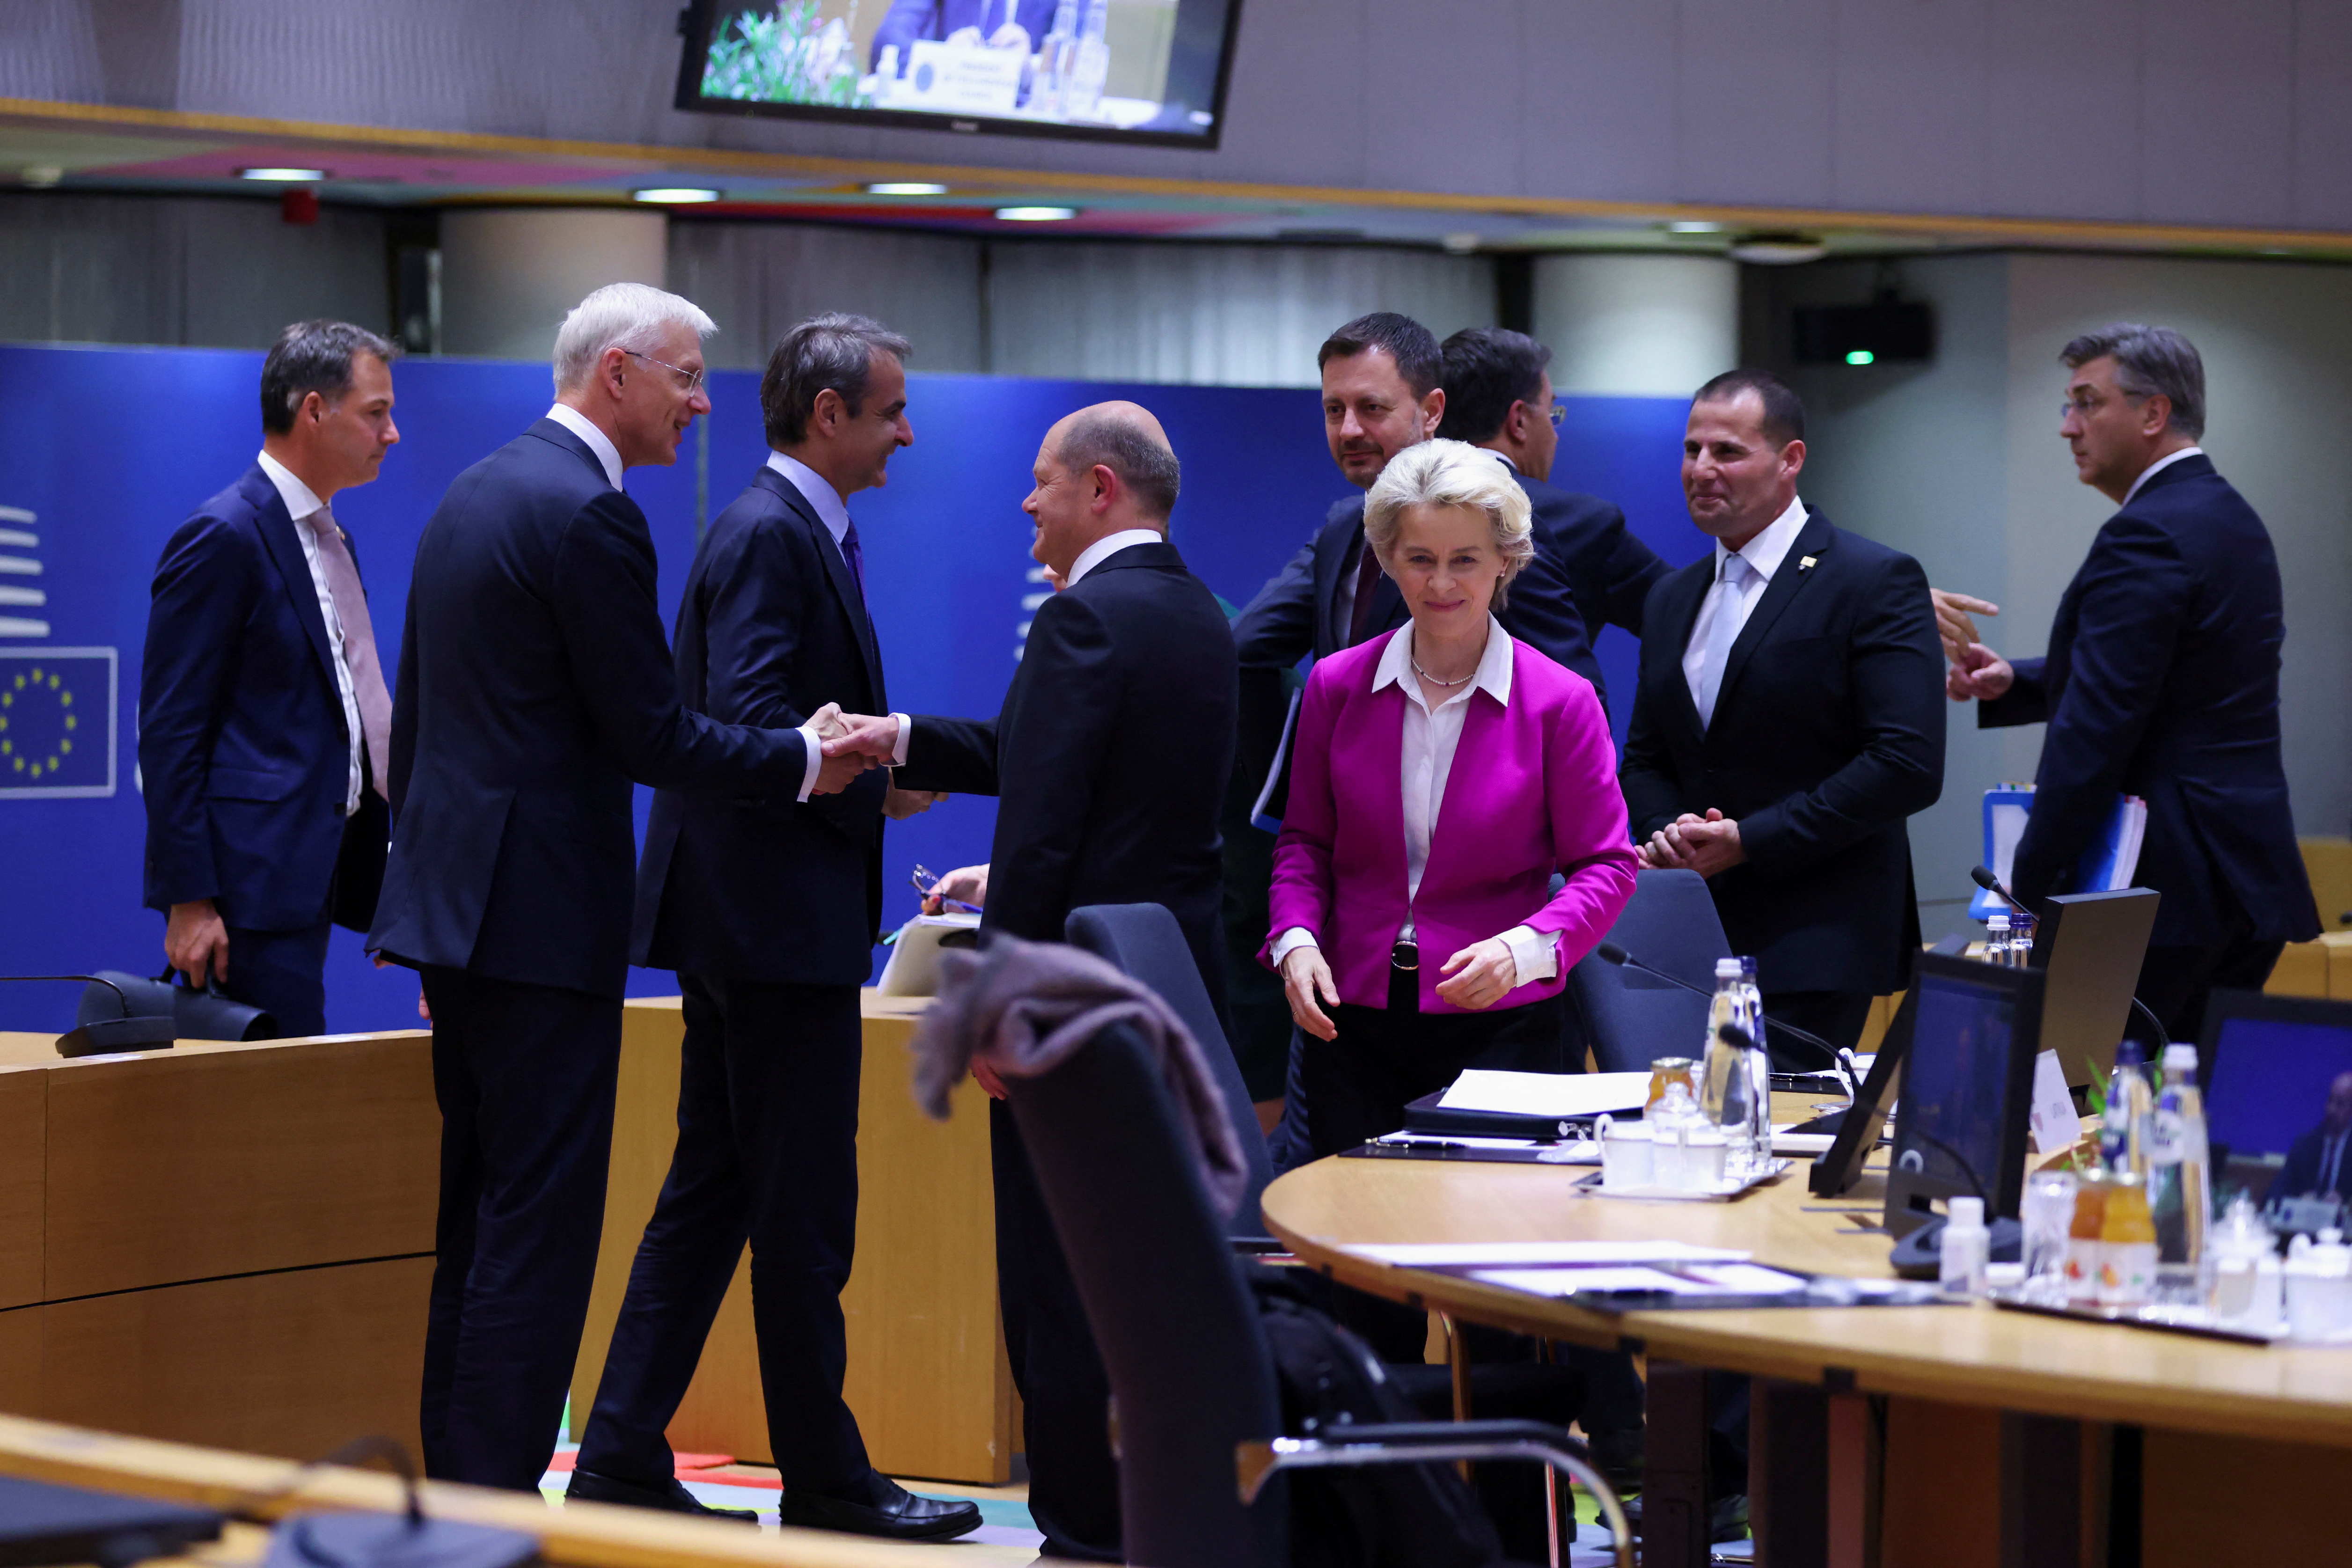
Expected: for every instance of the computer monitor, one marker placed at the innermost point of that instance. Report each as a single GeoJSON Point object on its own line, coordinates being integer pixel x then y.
{"type": "Point", "coordinates": [2091, 946]}
{"type": "Point", "coordinates": [1968, 1081]}
{"type": "Point", "coordinates": [2278, 1103]}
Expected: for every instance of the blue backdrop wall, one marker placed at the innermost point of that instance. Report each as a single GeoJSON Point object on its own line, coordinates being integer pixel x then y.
{"type": "Point", "coordinates": [104, 451]}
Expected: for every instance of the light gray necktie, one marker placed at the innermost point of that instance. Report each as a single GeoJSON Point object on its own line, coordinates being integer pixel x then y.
{"type": "Point", "coordinates": [1721, 633]}
{"type": "Point", "coordinates": [359, 643]}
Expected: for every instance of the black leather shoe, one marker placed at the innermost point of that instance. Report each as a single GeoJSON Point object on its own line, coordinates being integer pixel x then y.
{"type": "Point", "coordinates": [587, 1485]}
{"type": "Point", "coordinates": [900, 1515]}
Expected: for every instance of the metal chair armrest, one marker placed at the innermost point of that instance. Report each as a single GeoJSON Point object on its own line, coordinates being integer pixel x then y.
{"type": "Point", "coordinates": [1414, 1442]}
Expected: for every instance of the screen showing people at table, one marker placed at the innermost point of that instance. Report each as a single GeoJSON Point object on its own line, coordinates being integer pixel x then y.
{"type": "Point", "coordinates": [2281, 1089]}
{"type": "Point", "coordinates": [1106, 65]}
{"type": "Point", "coordinates": [1956, 1081]}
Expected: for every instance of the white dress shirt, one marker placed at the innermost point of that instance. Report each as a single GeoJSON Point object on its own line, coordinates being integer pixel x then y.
{"type": "Point", "coordinates": [300, 503]}
{"type": "Point", "coordinates": [833, 512]}
{"type": "Point", "coordinates": [608, 455]}
{"type": "Point", "coordinates": [1425, 760]}
{"type": "Point", "coordinates": [1092, 556]}
{"type": "Point", "coordinates": [2158, 467]}
{"type": "Point", "coordinates": [1763, 554]}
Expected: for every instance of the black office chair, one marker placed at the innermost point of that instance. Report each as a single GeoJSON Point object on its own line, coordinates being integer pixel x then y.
{"type": "Point", "coordinates": [1632, 1018]}
{"type": "Point", "coordinates": [1144, 942]}
{"type": "Point", "coordinates": [1197, 1416]}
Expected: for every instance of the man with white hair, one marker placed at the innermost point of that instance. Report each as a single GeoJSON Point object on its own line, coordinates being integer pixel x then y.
{"type": "Point", "coordinates": [535, 689]}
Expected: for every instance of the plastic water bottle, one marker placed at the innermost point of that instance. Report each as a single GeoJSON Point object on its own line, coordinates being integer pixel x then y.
{"type": "Point", "coordinates": [1759, 1065]}
{"type": "Point", "coordinates": [1963, 1250]}
{"type": "Point", "coordinates": [1723, 1078]}
{"type": "Point", "coordinates": [2122, 1141]}
{"type": "Point", "coordinates": [1091, 65]}
{"type": "Point", "coordinates": [1996, 949]}
{"type": "Point", "coordinates": [2021, 939]}
{"type": "Point", "coordinates": [1049, 91]}
{"type": "Point", "coordinates": [2180, 1183]}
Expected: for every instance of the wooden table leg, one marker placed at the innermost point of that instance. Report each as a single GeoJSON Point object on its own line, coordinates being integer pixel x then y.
{"type": "Point", "coordinates": [2041, 1491]}
{"type": "Point", "coordinates": [1850, 1510]}
{"type": "Point", "coordinates": [1674, 1486]}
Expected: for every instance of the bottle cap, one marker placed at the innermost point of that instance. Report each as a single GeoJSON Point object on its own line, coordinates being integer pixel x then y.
{"type": "Point", "coordinates": [2131, 1054]}
{"type": "Point", "coordinates": [1726, 969]}
{"type": "Point", "coordinates": [2181, 1055]}
{"type": "Point", "coordinates": [1966, 1214]}
{"type": "Point", "coordinates": [1995, 923]}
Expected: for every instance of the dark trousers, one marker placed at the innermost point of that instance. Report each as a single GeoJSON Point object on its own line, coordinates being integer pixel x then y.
{"type": "Point", "coordinates": [1065, 1392]}
{"type": "Point", "coordinates": [1837, 1016]}
{"type": "Point", "coordinates": [2175, 983]}
{"type": "Point", "coordinates": [524, 1075]}
{"type": "Point", "coordinates": [1358, 1084]}
{"type": "Point", "coordinates": [767, 1153]}
{"type": "Point", "coordinates": [283, 973]}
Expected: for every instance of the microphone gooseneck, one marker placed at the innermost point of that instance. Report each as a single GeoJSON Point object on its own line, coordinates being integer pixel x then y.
{"type": "Point", "coordinates": [1610, 952]}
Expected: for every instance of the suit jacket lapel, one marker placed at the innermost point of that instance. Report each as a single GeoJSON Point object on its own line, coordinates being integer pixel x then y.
{"type": "Point", "coordinates": [1330, 556]}
{"type": "Point", "coordinates": [1686, 590]}
{"type": "Point", "coordinates": [1812, 540]}
{"type": "Point", "coordinates": [837, 572]}
{"type": "Point", "coordinates": [276, 529]}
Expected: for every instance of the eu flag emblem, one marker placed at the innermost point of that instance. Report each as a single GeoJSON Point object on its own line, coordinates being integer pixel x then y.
{"type": "Point", "coordinates": [57, 722]}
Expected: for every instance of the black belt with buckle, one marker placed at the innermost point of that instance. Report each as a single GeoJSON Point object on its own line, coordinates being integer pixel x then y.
{"type": "Point", "coordinates": [1405, 954]}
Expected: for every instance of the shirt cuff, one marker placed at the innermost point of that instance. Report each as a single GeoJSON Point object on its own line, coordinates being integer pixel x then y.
{"type": "Point", "coordinates": [1290, 942]}
{"type": "Point", "coordinates": [815, 759]}
{"type": "Point", "coordinates": [1535, 954]}
{"type": "Point", "coordinates": [898, 751]}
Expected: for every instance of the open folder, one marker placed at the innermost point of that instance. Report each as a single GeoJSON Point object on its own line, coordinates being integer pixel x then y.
{"type": "Point", "coordinates": [2109, 863]}
{"type": "Point", "coordinates": [914, 966]}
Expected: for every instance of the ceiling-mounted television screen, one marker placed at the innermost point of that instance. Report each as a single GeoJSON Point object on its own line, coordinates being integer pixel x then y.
{"type": "Point", "coordinates": [1149, 71]}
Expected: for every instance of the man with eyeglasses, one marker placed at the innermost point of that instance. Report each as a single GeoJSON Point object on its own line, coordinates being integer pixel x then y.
{"type": "Point", "coordinates": [2161, 681]}
{"type": "Point", "coordinates": [535, 690]}
{"type": "Point", "coordinates": [1498, 396]}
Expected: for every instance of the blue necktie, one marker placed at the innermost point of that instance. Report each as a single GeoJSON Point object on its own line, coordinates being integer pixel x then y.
{"type": "Point", "coordinates": [856, 554]}
{"type": "Point", "coordinates": [1721, 633]}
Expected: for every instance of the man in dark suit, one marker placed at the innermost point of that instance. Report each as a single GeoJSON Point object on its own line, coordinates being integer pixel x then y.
{"type": "Point", "coordinates": [2162, 681]}
{"type": "Point", "coordinates": [263, 722]}
{"type": "Point", "coordinates": [1786, 724]}
{"type": "Point", "coordinates": [535, 688]}
{"type": "Point", "coordinates": [1110, 759]}
{"type": "Point", "coordinates": [1498, 396]}
{"type": "Point", "coordinates": [2320, 1161]}
{"type": "Point", "coordinates": [767, 910]}
{"type": "Point", "coordinates": [993, 24]}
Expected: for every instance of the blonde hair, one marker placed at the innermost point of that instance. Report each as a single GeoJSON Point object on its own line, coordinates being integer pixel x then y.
{"type": "Point", "coordinates": [1453, 474]}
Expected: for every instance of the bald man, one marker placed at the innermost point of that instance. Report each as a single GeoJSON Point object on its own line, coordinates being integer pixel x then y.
{"type": "Point", "coordinates": [1110, 758]}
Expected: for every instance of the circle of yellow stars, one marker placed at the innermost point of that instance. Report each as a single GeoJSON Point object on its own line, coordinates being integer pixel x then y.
{"type": "Point", "coordinates": [27, 685]}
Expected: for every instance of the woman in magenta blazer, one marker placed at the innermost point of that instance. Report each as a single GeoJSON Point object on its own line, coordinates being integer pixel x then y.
{"type": "Point", "coordinates": [1443, 773]}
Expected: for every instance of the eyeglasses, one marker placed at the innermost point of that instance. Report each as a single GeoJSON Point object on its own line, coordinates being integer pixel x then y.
{"type": "Point", "coordinates": [693, 377]}
{"type": "Point", "coordinates": [2086, 406]}
{"type": "Point", "coordinates": [1559, 414]}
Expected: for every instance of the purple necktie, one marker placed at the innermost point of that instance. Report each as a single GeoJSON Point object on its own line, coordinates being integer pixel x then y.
{"type": "Point", "coordinates": [359, 643]}
{"type": "Point", "coordinates": [1368, 581]}
{"type": "Point", "coordinates": [856, 554]}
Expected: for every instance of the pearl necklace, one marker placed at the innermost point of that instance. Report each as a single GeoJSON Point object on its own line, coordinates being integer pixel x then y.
{"type": "Point", "coordinates": [1433, 679]}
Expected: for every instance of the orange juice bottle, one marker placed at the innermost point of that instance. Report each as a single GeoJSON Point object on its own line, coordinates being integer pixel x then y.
{"type": "Point", "coordinates": [2127, 1244]}
{"type": "Point", "coordinates": [2084, 1248]}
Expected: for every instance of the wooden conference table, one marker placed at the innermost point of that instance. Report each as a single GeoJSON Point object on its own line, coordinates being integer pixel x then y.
{"type": "Point", "coordinates": [1941, 1436]}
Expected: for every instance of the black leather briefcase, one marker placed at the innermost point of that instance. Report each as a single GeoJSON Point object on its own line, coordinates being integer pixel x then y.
{"type": "Point", "coordinates": [205, 1014]}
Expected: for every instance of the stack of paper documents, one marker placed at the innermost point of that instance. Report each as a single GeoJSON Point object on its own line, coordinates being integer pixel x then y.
{"type": "Point", "coordinates": [1561, 1096]}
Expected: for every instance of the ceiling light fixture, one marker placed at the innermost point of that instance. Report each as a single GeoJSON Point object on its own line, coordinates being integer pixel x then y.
{"type": "Point", "coordinates": [1035, 214]}
{"type": "Point", "coordinates": [1693, 225]}
{"type": "Point", "coordinates": [904, 188]}
{"type": "Point", "coordinates": [283, 174]}
{"type": "Point", "coordinates": [676, 195]}
{"type": "Point", "coordinates": [1777, 249]}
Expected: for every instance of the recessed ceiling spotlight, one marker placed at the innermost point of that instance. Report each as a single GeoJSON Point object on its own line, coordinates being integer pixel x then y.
{"type": "Point", "coordinates": [1035, 214]}
{"type": "Point", "coordinates": [904, 188]}
{"type": "Point", "coordinates": [283, 174]}
{"type": "Point", "coordinates": [1693, 225]}
{"type": "Point", "coordinates": [676, 195]}
{"type": "Point", "coordinates": [1777, 249]}
{"type": "Point", "coordinates": [1463, 244]}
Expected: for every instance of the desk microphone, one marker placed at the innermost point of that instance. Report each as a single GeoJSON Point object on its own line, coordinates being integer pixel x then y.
{"type": "Point", "coordinates": [1610, 952]}
{"type": "Point", "coordinates": [1983, 878]}
{"type": "Point", "coordinates": [103, 1036]}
